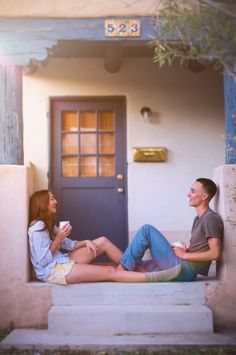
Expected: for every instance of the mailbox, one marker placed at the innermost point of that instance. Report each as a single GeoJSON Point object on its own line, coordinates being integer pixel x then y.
{"type": "Point", "coordinates": [149, 154]}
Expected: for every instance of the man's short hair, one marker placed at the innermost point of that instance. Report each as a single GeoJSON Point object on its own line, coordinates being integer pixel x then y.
{"type": "Point", "coordinates": [209, 186]}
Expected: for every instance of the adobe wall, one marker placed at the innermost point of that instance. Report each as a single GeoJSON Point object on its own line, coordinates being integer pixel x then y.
{"type": "Point", "coordinates": [21, 302]}
{"type": "Point", "coordinates": [221, 298]}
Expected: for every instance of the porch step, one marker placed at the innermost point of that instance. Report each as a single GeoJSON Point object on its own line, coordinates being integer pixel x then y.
{"type": "Point", "coordinates": [106, 293]}
{"type": "Point", "coordinates": [129, 319]}
{"type": "Point", "coordinates": [122, 308]}
{"type": "Point", "coordinates": [37, 339]}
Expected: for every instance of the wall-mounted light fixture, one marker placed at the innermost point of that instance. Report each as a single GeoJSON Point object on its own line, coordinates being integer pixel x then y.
{"type": "Point", "coordinates": [146, 113]}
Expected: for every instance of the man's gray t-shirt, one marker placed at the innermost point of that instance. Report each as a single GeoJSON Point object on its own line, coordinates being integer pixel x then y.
{"type": "Point", "coordinates": [208, 225]}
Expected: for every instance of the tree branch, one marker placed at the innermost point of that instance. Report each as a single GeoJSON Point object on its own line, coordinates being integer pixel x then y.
{"type": "Point", "coordinates": [221, 7]}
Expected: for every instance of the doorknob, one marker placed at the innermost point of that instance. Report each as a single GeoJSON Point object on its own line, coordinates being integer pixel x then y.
{"type": "Point", "coordinates": [120, 190]}
{"type": "Point", "coordinates": [120, 177]}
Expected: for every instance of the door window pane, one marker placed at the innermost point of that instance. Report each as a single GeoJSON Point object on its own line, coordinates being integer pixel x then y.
{"type": "Point", "coordinates": [105, 121]}
{"type": "Point", "coordinates": [106, 143]}
{"type": "Point", "coordinates": [70, 166]}
{"type": "Point", "coordinates": [88, 143]}
{"type": "Point", "coordinates": [88, 166]}
{"type": "Point", "coordinates": [106, 166]}
{"type": "Point", "coordinates": [69, 121]}
{"type": "Point", "coordinates": [69, 143]}
{"type": "Point", "coordinates": [87, 121]}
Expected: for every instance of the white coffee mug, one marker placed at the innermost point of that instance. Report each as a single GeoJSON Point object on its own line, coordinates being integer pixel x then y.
{"type": "Point", "coordinates": [63, 223]}
{"type": "Point", "coordinates": [179, 244]}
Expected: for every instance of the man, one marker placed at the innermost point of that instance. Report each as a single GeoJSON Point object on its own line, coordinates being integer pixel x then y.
{"type": "Point", "coordinates": [205, 242]}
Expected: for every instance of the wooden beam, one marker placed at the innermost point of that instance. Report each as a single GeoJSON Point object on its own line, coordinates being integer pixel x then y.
{"type": "Point", "coordinates": [11, 121]}
{"type": "Point", "coordinates": [24, 39]}
{"type": "Point", "coordinates": [230, 119]}
{"type": "Point", "coordinates": [113, 59]}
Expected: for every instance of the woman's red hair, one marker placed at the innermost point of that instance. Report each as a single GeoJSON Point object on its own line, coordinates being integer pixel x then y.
{"type": "Point", "coordinates": [38, 210]}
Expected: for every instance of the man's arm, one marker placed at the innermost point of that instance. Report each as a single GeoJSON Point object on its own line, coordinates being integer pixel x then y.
{"type": "Point", "coordinates": [212, 254]}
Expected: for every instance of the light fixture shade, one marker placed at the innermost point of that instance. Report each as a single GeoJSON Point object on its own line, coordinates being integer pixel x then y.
{"type": "Point", "coordinates": [145, 112]}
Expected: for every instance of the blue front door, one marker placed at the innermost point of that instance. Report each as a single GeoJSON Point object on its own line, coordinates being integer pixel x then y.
{"type": "Point", "coordinates": [88, 166]}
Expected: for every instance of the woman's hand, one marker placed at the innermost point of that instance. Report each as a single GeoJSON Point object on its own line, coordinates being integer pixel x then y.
{"type": "Point", "coordinates": [61, 234]}
{"type": "Point", "coordinates": [91, 246]}
{"type": "Point", "coordinates": [64, 231]}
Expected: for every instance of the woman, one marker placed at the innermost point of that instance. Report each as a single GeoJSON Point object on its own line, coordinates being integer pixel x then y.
{"type": "Point", "coordinates": [53, 266]}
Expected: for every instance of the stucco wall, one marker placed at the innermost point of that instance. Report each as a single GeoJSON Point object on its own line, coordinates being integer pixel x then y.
{"type": "Point", "coordinates": [21, 302]}
{"type": "Point", "coordinates": [221, 298]}
{"type": "Point", "coordinates": [190, 125]}
{"type": "Point", "coordinates": [76, 8]}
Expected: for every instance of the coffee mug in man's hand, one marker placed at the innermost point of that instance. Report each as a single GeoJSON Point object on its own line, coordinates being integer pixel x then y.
{"type": "Point", "coordinates": [179, 245]}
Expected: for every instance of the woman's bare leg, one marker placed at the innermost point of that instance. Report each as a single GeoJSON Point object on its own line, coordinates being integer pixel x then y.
{"type": "Point", "coordinates": [109, 248]}
{"type": "Point", "coordinates": [83, 256]}
{"type": "Point", "coordinates": [104, 245]}
{"type": "Point", "coordinates": [91, 273]}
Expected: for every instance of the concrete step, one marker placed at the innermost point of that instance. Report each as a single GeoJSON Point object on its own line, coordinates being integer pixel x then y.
{"type": "Point", "coordinates": [121, 344]}
{"type": "Point", "coordinates": [41, 339]}
{"type": "Point", "coordinates": [129, 319]}
{"type": "Point", "coordinates": [104, 293]}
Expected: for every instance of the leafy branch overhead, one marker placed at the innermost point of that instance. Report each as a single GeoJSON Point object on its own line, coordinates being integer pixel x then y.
{"type": "Point", "coordinates": [202, 31]}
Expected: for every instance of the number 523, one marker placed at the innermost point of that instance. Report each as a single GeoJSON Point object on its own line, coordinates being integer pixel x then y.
{"type": "Point", "coordinates": [125, 28]}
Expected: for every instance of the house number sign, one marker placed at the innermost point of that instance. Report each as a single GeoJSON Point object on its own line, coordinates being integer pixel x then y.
{"type": "Point", "coordinates": [122, 28]}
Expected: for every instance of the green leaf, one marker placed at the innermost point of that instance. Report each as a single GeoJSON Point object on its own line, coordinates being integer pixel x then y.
{"type": "Point", "coordinates": [190, 29]}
